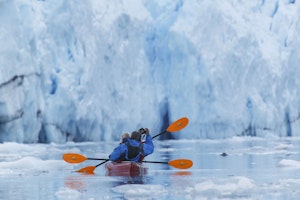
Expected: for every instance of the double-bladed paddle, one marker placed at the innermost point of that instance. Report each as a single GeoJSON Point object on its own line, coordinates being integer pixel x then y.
{"type": "Point", "coordinates": [179, 163]}
{"type": "Point", "coordinates": [78, 158]}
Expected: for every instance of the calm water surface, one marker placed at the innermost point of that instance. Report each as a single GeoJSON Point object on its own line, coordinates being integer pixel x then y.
{"type": "Point", "coordinates": [253, 168]}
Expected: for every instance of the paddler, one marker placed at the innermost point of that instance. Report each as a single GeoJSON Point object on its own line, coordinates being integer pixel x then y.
{"type": "Point", "coordinates": [133, 149]}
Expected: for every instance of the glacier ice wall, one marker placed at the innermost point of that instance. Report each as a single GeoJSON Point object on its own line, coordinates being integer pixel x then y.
{"type": "Point", "coordinates": [90, 70]}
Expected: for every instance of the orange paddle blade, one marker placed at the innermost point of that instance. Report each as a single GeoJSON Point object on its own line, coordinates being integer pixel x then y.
{"type": "Point", "coordinates": [178, 124]}
{"type": "Point", "coordinates": [87, 170]}
{"type": "Point", "coordinates": [74, 158]}
{"type": "Point", "coordinates": [181, 163]}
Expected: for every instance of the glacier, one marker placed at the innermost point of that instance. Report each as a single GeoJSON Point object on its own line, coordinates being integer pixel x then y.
{"type": "Point", "coordinates": [91, 70]}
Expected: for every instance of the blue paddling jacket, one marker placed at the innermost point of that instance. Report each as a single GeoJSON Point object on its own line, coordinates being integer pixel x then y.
{"type": "Point", "coordinates": [132, 150]}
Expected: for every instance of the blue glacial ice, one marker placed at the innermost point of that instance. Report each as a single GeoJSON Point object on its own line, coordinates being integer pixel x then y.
{"type": "Point", "coordinates": [90, 70]}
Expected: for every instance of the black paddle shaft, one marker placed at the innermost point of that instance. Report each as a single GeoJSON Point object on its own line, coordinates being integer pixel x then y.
{"type": "Point", "coordinates": [102, 163]}
{"type": "Point", "coordinates": [97, 159]}
{"type": "Point", "coordinates": [159, 134]}
{"type": "Point", "coordinates": [145, 161]}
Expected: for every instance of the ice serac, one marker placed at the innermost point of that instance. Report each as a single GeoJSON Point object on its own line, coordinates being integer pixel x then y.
{"type": "Point", "coordinates": [89, 71]}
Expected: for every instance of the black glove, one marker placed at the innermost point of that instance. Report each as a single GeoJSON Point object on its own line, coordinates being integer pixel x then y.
{"type": "Point", "coordinates": [144, 131]}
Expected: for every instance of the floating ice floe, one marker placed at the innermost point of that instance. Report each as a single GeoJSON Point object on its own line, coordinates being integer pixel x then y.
{"type": "Point", "coordinates": [33, 163]}
{"type": "Point", "coordinates": [66, 193]}
{"type": "Point", "coordinates": [137, 191]}
{"type": "Point", "coordinates": [287, 163]}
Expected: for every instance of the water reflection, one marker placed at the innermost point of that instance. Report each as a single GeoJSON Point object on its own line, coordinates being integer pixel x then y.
{"type": "Point", "coordinates": [81, 182]}
{"type": "Point", "coordinates": [182, 173]}
{"type": "Point", "coordinates": [164, 154]}
{"type": "Point", "coordinates": [75, 183]}
{"type": "Point", "coordinates": [123, 180]}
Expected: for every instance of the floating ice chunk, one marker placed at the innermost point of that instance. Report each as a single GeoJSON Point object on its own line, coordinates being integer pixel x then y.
{"type": "Point", "coordinates": [137, 191]}
{"type": "Point", "coordinates": [236, 185]}
{"type": "Point", "coordinates": [66, 193]}
{"type": "Point", "coordinates": [33, 163]}
{"type": "Point", "coordinates": [289, 163]}
{"type": "Point", "coordinates": [284, 146]}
